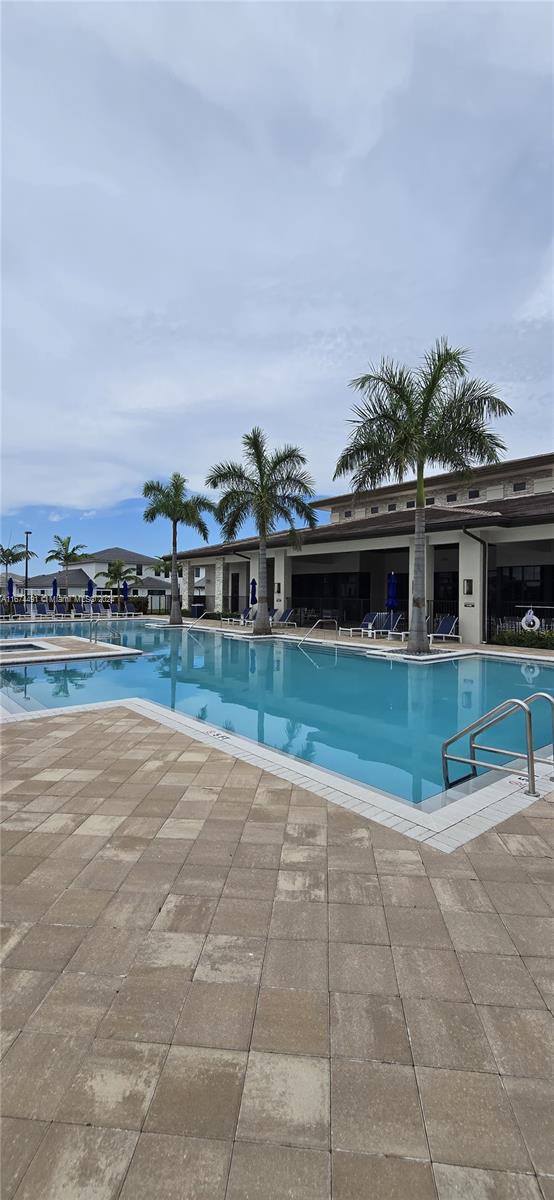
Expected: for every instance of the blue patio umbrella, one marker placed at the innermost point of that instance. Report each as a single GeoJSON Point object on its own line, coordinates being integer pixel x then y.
{"type": "Point", "coordinates": [253, 596]}
{"type": "Point", "coordinates": [125, 590]}
{"type": "Point", "coordinates": [10, 588]}
{"type": "Point", "coordinates": [90, 589]}
{"type": "Point", "coordinates": [54, 588]}
{"type": "Point", "coordinates": [392, 596]}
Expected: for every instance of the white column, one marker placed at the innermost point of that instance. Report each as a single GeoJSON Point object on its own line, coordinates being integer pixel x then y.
{"type": "Point", "coordinates": [282, 580]}
{"type": "Point", "coordinates": [470, 601]}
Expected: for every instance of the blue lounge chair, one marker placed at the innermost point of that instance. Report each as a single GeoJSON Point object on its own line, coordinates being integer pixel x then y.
{"type": "Point", "coordinates": [385, 623]}
{"type": "Point", "coordinates": [403, 633]}
{"type": "Point", "coordinates": [60, 609]}
{"type": "Point", "coordinates": [20, 609]}
{"type": "Point", "coordinates": [285, 618]}
{"type": "Point", "coordinates": [240, 620]}
{"type": "Point", "coordinates": [78, 609]}
{"type": "Point", "coordinates": [114, 609]}
{"type": "Point", "coordinates": [445, 629]}
{"type": "Point", "coordinates": [42, 609]}
{"type": "Point", "coordinates": [97, 609]}
{"type": "Point", "coordinates": [366, 624]}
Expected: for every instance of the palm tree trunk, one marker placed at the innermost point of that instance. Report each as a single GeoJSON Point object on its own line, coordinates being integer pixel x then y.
{"type": "Point", "coordinates": [418, 640]}
{"type": "Point", "coordinates": [67, 580]}
{"type": "Point", "coordinates": [261, 624]}
{"type": "Point", "coordinates": [175, 616]}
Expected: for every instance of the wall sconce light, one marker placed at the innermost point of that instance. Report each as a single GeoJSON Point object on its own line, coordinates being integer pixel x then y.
{"type": "Point", "coordinates": [468, 587]}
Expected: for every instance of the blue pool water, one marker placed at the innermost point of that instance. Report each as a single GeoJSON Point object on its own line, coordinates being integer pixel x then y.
{"type": "Point", "coordinates": [379, 721]}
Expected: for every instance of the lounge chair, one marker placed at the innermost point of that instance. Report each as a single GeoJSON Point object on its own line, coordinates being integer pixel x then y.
{"type": "Point", "coordinates": [114, 609]}
{"type": "Point", "coordinates": [285, 618]}
{"type": "Point", "coordinates": [240, 620]}
{"type": "Point", "coordinates": [42, 608]}
{"type": "Point", "coordinates": [385, 624]}
{"type": "Point", "coordinates": [403, 633]}
{"type": "Point", "coordinates": [78, 609]}
{"type": "Point", "coordinates": [445, 629]}
{"type": "Point", "coordinates": [20, 609]}
{"type": "Point", "coordinates": [97, 609]}
{"type": "Point", "coordinates": [60, 609]}
{"type": "Point", "coordinates": [366, 624]}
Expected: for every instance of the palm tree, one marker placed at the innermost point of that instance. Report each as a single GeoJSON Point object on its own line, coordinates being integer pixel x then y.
{"type": "Point", "coordinates": [410, 420]}
{"type": "Point", "coordinates": [10, 556]}
{"type": "Point", "coordinates": [172, 501]}
{"type": "Point", "coordinates": [269, 487]}
{"type": "Point", "coordinates": [116, 574]}
{"type": "Point", "coordinates": [65, 555]}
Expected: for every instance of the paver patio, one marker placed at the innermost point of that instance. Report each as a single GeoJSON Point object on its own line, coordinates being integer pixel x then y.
{"type": "Point", "coordinates": [216, 986]}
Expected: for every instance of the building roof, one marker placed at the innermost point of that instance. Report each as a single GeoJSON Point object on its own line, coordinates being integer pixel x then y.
{"type": "Point", "coordinates": [75, 577]}
{"type": "Point", "coordinates": [152, 581]}
{"type": "Point", "coordinates": [118, 554]}
{"type": "Point", "coordinates": [510, 467]}
{"type": "Point", "coordinates": [516, 510]}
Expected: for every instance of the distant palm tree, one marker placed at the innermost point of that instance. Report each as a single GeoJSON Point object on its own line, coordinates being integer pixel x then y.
{"type": "Point", "coordinates": [10, 556]}
{"type": "Point", "coordinates": [270, 487]}
{"type": "Point", "coordinates": [65, 555]}
{"type": "Point", "coordinates": [172, 501]}
{"type": "Point", "coordinates": [410, 420]}
{"type": "Point", "coordinates": [116, 574]}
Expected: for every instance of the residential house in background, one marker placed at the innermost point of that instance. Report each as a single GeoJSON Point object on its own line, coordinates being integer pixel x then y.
{"type": "Point", "coordinates": [151, 585]}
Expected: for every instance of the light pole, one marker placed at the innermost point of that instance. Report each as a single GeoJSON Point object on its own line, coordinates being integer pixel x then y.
{"type": "Point", "coordinates": [28, 533]}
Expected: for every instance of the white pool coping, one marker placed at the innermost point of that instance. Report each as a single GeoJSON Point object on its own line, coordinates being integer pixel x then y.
{"type": "Point", "coordinates": [469, 809]}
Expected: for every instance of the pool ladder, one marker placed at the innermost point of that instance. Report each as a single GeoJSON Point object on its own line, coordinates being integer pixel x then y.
{"type": "Point", "coordinates": [494, 717]}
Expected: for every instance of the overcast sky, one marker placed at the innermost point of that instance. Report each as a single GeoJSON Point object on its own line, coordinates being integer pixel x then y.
{"type": "Point", "coordinates": [216, 214]}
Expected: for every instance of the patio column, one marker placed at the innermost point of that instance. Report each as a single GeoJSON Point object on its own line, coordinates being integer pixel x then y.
{"type": "Point", "coordinates": [186, 585]}
{"type": "Point", "coordinates": [471, 590]}
{"type": "Point", "coordinates": [219, 584]}
{"type": "Point", "coordinates": [282, 580]}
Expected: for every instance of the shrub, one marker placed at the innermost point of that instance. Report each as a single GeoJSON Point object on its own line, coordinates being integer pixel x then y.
{"type": "Point", "coordinates": [543, 640]}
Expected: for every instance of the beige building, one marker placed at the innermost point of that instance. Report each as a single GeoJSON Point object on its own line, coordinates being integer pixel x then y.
{"type": "Point", "coordinates": [490, 553]}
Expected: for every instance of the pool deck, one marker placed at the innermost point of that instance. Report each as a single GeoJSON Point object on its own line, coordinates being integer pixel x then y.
{"type": "Point", "coordinates": [220, 986]}
{"type": "Point", "coordinates": [60, 649]}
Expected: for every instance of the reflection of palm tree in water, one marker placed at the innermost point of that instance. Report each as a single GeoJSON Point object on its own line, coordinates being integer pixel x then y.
{"type": "Point", "coordinates": [306, 750]}
{"type": "Point", "coordinates": [16, 679]}
{"type": "Point", "coordinates": [65, 679]}
{"type": "Point", "coordinates": [168, 667]}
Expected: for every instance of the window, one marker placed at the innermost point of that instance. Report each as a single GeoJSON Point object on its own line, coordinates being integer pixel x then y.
{"type": "Point", "coordinates": [451, 497]}
{"type": "Point", "coordinates": [374, 508]}
{"type": "Point", "coordinates": [473, 493]}
{"type": "Point", "coordinates": [430, 500]}
{"type": "Point", "coordinates": [391, 507]}
{"type": "Point", "coordinates": [197, 572]}
{"type": "Point", "coordinates": [347, 513]}
{"type": "Point", "coordinates": [410, 504]}
{"type": "Point", "coordinates": [138, 569]}
{"type": "Point", "coordinates": [519, 487]}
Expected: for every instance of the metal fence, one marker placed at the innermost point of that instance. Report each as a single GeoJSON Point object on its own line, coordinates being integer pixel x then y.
{"type": "Point", "coordinates": [507, 617]}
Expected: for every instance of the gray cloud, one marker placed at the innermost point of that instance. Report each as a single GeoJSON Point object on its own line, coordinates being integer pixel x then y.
{"type": "Point", "coordinates": [216, 214]}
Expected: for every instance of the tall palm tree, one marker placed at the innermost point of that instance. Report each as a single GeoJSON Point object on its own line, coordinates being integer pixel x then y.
{"type": "Point", "coordinates": [410, 420]}
{"type": "Point", "coordinates": [270, 487]}
{"type": "Point", "coordinates": [10, 556]}
{"type": "Point", "coordinates": [172, 501]}
{"type": "Point", "coordinates": [65, 555]}
{"type": "Point", "coordinates": [116, 574]}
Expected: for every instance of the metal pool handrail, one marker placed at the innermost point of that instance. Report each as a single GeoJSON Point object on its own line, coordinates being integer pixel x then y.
{"type": "Point", "coordinates": [321, 621]}
{"type": "Point", "coordinates": [486, 721]}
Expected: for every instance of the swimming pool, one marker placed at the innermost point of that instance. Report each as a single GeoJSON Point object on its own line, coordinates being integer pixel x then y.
{"type": "Point", "coordinates": [376, 720]}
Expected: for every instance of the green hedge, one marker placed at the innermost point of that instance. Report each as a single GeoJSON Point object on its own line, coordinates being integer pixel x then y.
{"type": "Point", "coordinates": [533, 641]}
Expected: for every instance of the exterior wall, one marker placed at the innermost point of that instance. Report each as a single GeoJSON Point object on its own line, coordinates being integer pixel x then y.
{"type": "Point", "coordinates": [528, 544]}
